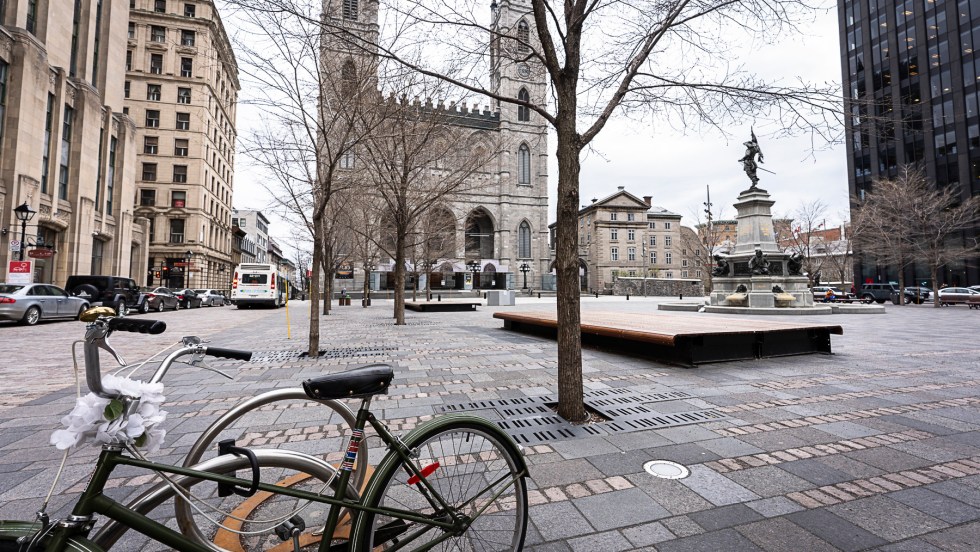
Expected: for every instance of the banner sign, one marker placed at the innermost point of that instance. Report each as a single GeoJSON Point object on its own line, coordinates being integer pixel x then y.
{"type": "Point", "coordinates": [345, 272]}
{"type": "Point", "coordinates": [20, 272]}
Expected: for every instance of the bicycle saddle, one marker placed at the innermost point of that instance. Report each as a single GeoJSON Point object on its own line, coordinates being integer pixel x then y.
{"type": "Point", "coordinates": [360, 382]}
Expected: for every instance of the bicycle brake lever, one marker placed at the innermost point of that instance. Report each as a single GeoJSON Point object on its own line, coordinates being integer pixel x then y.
{"type": "Point", "coordinates": [104, 344]}
{"type": "Point", "coordinates": [198, 362]}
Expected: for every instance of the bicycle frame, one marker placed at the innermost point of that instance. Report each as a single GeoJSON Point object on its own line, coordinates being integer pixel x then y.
{"type": "Point", "coordinates": [93, 501]}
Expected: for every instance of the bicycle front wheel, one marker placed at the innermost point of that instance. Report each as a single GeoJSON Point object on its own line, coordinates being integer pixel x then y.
{"type": "Point", "coordinates": [478, 472]}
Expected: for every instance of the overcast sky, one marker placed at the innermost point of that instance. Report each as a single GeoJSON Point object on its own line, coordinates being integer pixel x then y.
{"type": "Point", "coordinates": [675, 167]}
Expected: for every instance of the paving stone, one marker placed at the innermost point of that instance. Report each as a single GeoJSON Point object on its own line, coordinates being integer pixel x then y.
{"type": "Point", "coordinates": [647, 534]}
{"type": "Point", "coordinates": [682, 526]}
{"type": "Point", "coordinates": [610, 541]}
{"type": "Point", "coordinates": [887, 518]}
{"type": "Point", "coordinates": [817, 472]}
{"type": "Point", "coordinates": [782, 535]}
{"type": "Point", "coordinates": [775, 506]}
{"type": "Point", "coordinates": [716, 488]}
{"type": "Point", "coordinates": [725, 516]}
{"type": "Point", "coordinates": [962, 538]}
{"type": "Point", "coordinates": [729, 447]}
{"type": "Point", "coordinates": [619, 509]}
{"type": "Point", "coordinates": [559, 520]}
{"type": "Point", "coordinates": [835, 530]}
{"type": "Point", "coordinates": [937, 505]}
{"type": "Point", "coordinates": [768, 481]}
{"type": "Point", "coordinates": [727, 539]}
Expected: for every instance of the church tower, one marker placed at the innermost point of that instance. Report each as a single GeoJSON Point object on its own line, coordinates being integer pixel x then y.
{"type": "Point", "coordinates": [523, 168]}
{"type": "Point", "coordinates": [349, 44]}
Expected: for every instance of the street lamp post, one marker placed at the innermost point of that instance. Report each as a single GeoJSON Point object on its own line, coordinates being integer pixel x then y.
{"type": "Point", "coordinates": [24, 215]}
{"type": "Point", "coordinates": [524, 270]}
{"type": "Point", "coordinates": [187, 269]}
{"type": "Point", "coordinates": [474, 267]}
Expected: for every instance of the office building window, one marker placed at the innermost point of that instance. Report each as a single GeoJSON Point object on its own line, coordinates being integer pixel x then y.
{"type": "Point", "coordinates": [180, 147]}
{"type": "Point", "coordinates": [150, 144]}
{"type": "Point", "coordinates": [614, 253]}
{"type": "Point", "coordinates": [148, 198]}
{"type": "Point", "coordinates": [667, 257]}
{"type": "Point", "coordinates": [613, 216]}
{"type": "Point", "coordinates": [653, 226]}
{"type": "Point", "coordinates": [160, 6]}
{"type": "Point", "coordinates": [152, 118]}
{"type": "Point", "coordinates": [666, 226]}
{"type": "Point", "coordinates": [667, 240]}
{"type": "Point", "coordinates": [187, 67]}
{"type": "Point", "coordinates": [158, 33]}
{"type": "Point", "coordinates": [631, 234]}
{"type": "Point", "coordinates": [630, 217]}
{"type": "Point", "coordinates": [631, 253]}
{"type": "Point", "coordinates": [613, 234]}
{"type": "Point", "coordinates": [96, 42]}
{"type": "Point", "coordinates": [183, 121]}
{"type": "Point", "coordinates": [65, 151]}
{"type": "Point", "coordinates": [653, 241]}
{"type": "Point", "coordinates": [176, 230]}
{"type": "Point", "coordinates": [178, 199]}
{"type": "Point", "coordinates": [110, 174]}
{"type": "Point", "coordinates": [180, 173]}
{"type": "Point", "coordinates": [653, 257]}
{"type": "Point", "coordinates": [132, 30]}
{"type": "Point", "coordinates": [75, 22]}
{"type": "Point", "coordinates": [187, 38]}
{"type": "Point", "coordinates": [129, 60]}
{"type": "Point", "coordinates": [32, 16]}
{"type": "Point", "coordinates": [126, 87]}
{"type": "Point", "coordinates": [156, 64]}
{"type": "Point", "coordinates": [3, 95]}
{"type": "Point", "coordinates": [183, 95]}
{"type": "Point", "coordinates": [190, 10]}
{"type": "Point", "coordinates": [149, 172]}
{"type": "Point", "coordinates": [153, 92]}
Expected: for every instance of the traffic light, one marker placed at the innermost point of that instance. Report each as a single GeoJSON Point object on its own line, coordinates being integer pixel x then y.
{"type": "Point", "coordinates": [156, 274]}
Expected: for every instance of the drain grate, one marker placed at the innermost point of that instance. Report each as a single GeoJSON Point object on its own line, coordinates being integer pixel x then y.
{"type": "Point", "coordinates": [339, 352]}
{"type": "Point", "coordinates": [531, 420]}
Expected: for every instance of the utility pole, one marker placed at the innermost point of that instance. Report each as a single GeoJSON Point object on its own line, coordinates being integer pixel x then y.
{"type": "Point", "coordinates": [707, 211]}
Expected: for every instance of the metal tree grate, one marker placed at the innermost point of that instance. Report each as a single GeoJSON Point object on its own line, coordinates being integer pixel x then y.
{"type": "Point", "coordinates": [339, 352]}
{"type": "Point", "coordinates": [532, 420]}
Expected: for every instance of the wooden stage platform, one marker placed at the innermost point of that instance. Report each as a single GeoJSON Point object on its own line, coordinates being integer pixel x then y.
{"type": "Point", "coordinates": [687, 340]}
{"type": "Point", "coordinates": [443, 306]}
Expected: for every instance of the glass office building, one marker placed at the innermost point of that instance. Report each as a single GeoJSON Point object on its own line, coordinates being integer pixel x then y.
{"type": "Point", "coordinates": [910, 74]}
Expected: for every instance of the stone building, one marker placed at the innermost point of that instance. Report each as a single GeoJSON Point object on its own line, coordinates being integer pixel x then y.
{"type": "Point", "coordinates": [67, 144]}
{"type": "Point", "coordinates": [182, 90]}
{"type": "Point", "coordinates": [256, 227]}
{"type": "Point", "coordinates": [625, 236]}
{"type": "Point", "coordinates": [501, 221]}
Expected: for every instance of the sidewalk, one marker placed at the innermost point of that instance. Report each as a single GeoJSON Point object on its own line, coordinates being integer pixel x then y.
{"type": "Point", "coordinates": [875, 447]}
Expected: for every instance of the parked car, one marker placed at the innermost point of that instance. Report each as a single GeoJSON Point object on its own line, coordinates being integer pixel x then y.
{"type": "Point", "coordinates": [188, 298]}
{"type": "Point", "coordinates": [118, 292]}
{"type": "Point", "coordinates": [888, 292]}
{"type": "Point", "coordinates": [161, 298]}
{"type": "Point", "coordinates": [954, 295]}
{"type": "Point", "coordinates": [211, 297]}
{"type": "Point", "coordinates": [31, 303]}
{"type": "Point", "coordinates": [820, 293]}
{"type": "Point", "coordinates": [918, 294]}
{"type": "Point", "coordinates": [975, 288]}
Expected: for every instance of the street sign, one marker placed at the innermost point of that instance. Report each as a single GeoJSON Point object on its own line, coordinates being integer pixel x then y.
{"type": "Point", "coordinates": [41, 253]}
{"type": "Point", "coordinates": [15, 245]}
{"type": "Point", "coordinates": [20, 272]}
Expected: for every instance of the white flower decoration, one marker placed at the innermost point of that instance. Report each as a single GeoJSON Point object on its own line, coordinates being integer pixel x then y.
{"type": "Point", "coordinates": [104, 420]}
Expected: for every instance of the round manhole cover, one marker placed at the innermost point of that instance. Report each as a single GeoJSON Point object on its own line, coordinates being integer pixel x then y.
{"type": "Point", "coordinates": [666, 469]}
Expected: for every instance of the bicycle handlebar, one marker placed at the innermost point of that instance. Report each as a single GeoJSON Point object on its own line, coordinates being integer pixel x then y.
{"type": "Point", "coordinates": [152, 327]}
{"type": "Point", "coordinates": [228, 353]}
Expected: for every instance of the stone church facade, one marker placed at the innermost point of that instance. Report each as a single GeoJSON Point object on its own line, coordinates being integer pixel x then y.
{"type": "Point", "coordinates": [501, 222]}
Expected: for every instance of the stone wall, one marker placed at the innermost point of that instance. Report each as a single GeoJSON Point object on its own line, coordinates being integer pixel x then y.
{"type": "Point", "coordinates": [664, 287]}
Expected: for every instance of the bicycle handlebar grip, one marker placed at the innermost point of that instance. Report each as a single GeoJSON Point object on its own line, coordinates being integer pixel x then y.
{"type": "Point", "coordinates": [152, 327]}
{"type": "Point", "coordinates": [228, 353]}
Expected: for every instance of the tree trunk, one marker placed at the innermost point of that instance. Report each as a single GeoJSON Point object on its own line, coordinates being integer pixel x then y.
{"type": "Point", "coordinates": [314, 342]}
{"type": "Point", "coordinates": [327, 278]}
{"type": "Point", "coordinates": [570, 392]}
{"type": "Point", "coordinates": [400, 279]}
{"type": "Point", "coordinates": [428, 283]}
{"type": "Point", "coordinates": [934, 274]}
{"type": "Point", "coordinates": [901, 286]}
{"type": "Point", "coordinates": [367, 287]}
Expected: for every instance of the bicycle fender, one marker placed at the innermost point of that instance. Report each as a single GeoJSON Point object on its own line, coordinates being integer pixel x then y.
{"type": "Point", "coordinates": [12, 530]}
{"type": "Point", "coordinates": [446, 419]}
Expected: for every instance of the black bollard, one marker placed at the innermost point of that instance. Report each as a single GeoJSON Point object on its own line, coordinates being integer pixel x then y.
{"type": "Point", "coordinates": [627, 296]}
{"type": "Point", "coordinates": [597, 295]}
{"type": "Point", "coordinates": [539, 295]}
{"type": "Point", "coordinates": [682, 297]}
{"type": "Point", "coordinates": [439, 297]}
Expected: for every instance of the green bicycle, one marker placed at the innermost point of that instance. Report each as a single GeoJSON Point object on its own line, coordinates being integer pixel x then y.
{"type": "Point", "coordinates": [456, 482]}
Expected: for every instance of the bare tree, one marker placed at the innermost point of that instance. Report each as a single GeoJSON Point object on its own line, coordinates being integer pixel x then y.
{"type": "Point", "coordinates": [881, 225]}
{"type": "Point", "coordinates": [414, 161]}
{"type": "Point", "coordinates": [838, 258]}
{"type": "Point", "coordinates": [299, 146]}
{"type": "Point", "coordinates": [704, 241]}
{"type": "Point", "coordinates": [671, 60]}
{"type": "Point", "coordinates": [805, 237]}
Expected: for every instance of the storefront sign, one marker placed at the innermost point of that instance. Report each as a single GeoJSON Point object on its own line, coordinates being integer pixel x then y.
{"type": "Point", "coordinates": [20, 272]}
{"type": "Point", "coordinates": [41, 253]}
{"type": "Point", "coordinates": [345, 272]}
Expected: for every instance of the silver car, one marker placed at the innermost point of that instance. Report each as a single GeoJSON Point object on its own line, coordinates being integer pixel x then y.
{"type": "Point", "coordinates": [31, 303]}
{"type": "Point", "coordinates": [210, 297]}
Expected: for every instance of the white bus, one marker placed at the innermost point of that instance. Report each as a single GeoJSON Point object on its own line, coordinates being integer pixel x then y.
{"type": "Point", "coordinates": [258, 284]}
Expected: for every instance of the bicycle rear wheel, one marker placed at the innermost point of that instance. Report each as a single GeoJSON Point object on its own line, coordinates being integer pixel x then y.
{"type": "Point", "coordinates": [478, 471]}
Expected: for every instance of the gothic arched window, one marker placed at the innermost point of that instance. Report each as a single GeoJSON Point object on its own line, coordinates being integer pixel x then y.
{"type": "Point", "coordinates": [348, 77]}
{"type": "Point", "coordinates": [524, 165]}
{"type": "Point", "coordinates": [523, 36]}
{"type": "Point", "coordinates": [524, 241]}
{"type": "Point", "coordinates": [523, 111]}
{"type": "Point", "coordinates": [350, 9]}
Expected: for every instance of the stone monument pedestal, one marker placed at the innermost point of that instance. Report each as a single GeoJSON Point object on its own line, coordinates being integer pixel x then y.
{"type": "Point", "coordinates": [759, 291]}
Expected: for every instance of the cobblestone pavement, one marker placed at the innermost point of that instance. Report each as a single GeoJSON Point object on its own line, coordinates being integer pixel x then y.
{"type": "Point", "coordinates": [876, 447]}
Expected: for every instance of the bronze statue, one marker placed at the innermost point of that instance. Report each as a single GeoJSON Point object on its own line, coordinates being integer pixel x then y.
{"type": "Point", "coordinates": [794, 265]}
{"type": "Point", "coordinates": [759, 264]}
{"type": "Point", "coordinates": [748, 160]}
{"type": "Point", "coordinates": [721, 269]}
